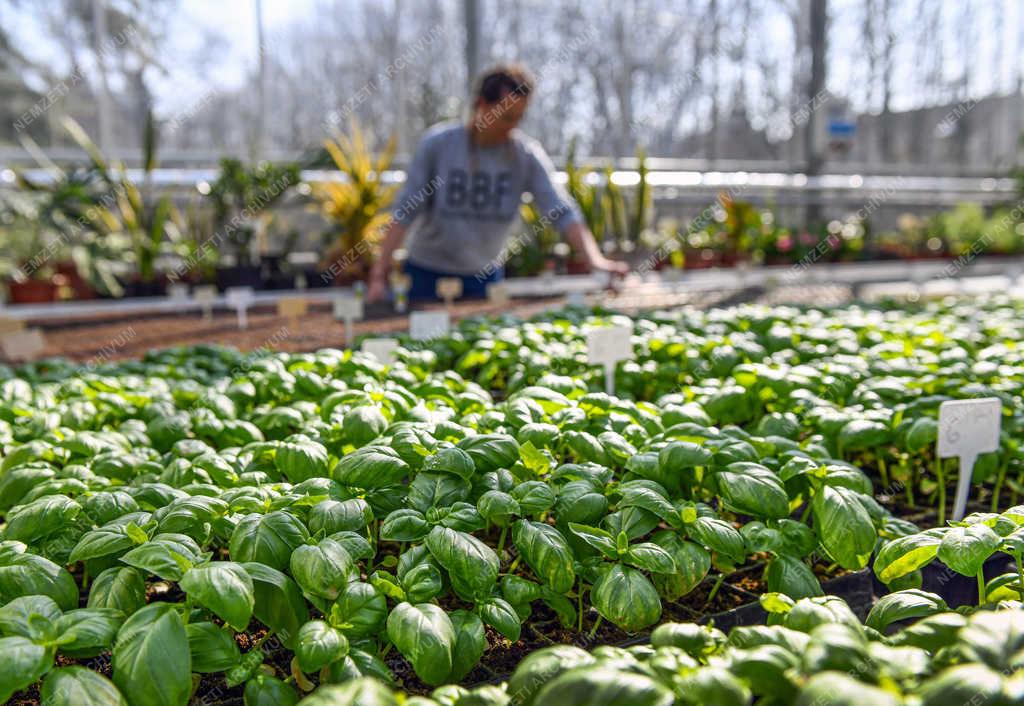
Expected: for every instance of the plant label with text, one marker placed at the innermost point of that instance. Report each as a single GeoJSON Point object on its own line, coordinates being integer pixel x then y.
{"type": "Point", "coordinates": [968, 428]}
{"type": "Point", "coordinates": [240, 299]}
{"type": "Point", "coordinates": [497, 293]}
{"type": "Point", "coordinates": [292, 307]}
{"type": "Point", "coordinates": [425, 325]}
{"type": "Point", "coordinates": [449, 288]}
{"type": "Point", "coordinates": [606, 346]}
{"type": "Point", "coordinates": [609, 344]}
{"type": "Point", "coordinates": [23, 345]}
{"type": "Point", "coordinates": [177, 292]}
{"type": "Point", "coordinates": [205, 295]}
{"type": "Point", "coordinates": [348, 308]}
{"type": "Point", "coordinates": [383, 349]}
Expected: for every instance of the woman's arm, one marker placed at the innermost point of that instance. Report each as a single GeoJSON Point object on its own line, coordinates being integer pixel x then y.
{"type": "Point", "coordinates": [394, 236]}
{"type": "Point", "coordinates": [579, 237]}
{"type": "Point", "coordinates": [563, 212]}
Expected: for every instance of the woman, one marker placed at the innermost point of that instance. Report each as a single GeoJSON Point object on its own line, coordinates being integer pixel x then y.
{"type": "Point", "coordinates": [462, 195]}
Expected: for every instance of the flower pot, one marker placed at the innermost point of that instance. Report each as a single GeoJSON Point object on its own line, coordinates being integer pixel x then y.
{"type": "Point", "coordinates": [238, 276]}
{"type": "Point", "coordinates": [139, 288]}
{"type": "Point", "coordinates": [79, 286]}
{"type": "Point", "coordinates": [33, 291]}
{"type": "Point", "coordinates": [577, 267]}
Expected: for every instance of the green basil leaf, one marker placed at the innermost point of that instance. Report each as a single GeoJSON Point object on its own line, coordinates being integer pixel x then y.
{"type": "Point", "coordinates": [905, 555]}
{"type": "Point", "coordinates": [546, 552]}
{"type": "Point", "coordinates": [213, 648]}
{"type": "Point", "coordinates": [692, 564]}
{"type": "Point", "coordinates": [491, 451]}
{"type": "Point", "coordinates": [363, 691]}
{"type": "Point", "coordinates": [586, 685]}
{"type": "Point", "coordinates": [331, 516]}
{"type": "Point", "coordinates": [404, 525]}
{"type": "Point", "coordinates": [470, 643]}
{"type": "Point", "coordinates": [78, 686]}
{"type": "Point", "coordinates": [965, 549]}
{"type": "Point", "coordinates": [22, 663]}
{"type": "Point", "coordinates": [119, 587]}
{"type": "Point", "coordinates": [86, 632]}
{"type": "Point", "coordinates": [903, 605]}
{"type": "Point", "coordinates": [752, 489]}
{"type": "Point", "coordinates": [34, 617]}
{"type": "Point", "coordinates": [964, 684]}
{"type": "Point", "coordinates": [152, 661]}
{"type": "Point", "coordinates": [650, 557]}
{"type": "Point", "coordinates": [425, 636]}
{"type": "Point", "coordinates": [318, 644]}
{"type": "Point", "coordinates": [360, 610]}
{"type": "Point", "coordinates": [436, 490]}
{"type": "Point", "coordinates": [102, 542]}
{"type": "Point", "coordinates": [300, 458]}
{"type": "Point", "coordinates": [322, 570]}
{"type": "Point", "coordinates": [450, 460]}
{"type": "Point", "coordinates": [371, 467]}
{"type": "Point", "coordinates": [542, 666]}
{"type": "Point", "coordinates": [719, 536]}
{"type": "Point", "coordinates": [41, 517]}
{"type": "Point", "coordinates": [223, 587]}
{"type": "Point", "coordinates": [597, 538]}
{"type": "Point", "coordinates": [278, 601]}
{"type": "Point", "coordinates": [268, 539]}
{"type": "Point", "coordinates": [422, 583]}
{"type": "Point", "coordinates": [167, 559]}
{"type": "Point", "coordinates": [625, 597]}
{"type": "Point", "coordinates": [844, 526]}
{"type": "Point", "coordinates": [500, 615]}
{"type": "Point", "coordinates": [534, 497]}
{"type": "Point", "coordinates": [24, 574]}
{"type": "Point", "coordinates": [472, 565]}
{"type": "Point", "coordinates": [498, 508]}
{"type": "Point", "coordinates": [791, 576]}
{"type": "Point", "coordinates": [837, 689]}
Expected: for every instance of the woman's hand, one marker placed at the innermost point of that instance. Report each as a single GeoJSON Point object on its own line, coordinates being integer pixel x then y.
{"type": "Point", "coordinates": [377, 287]}
{"type": "Point", "coordinates": [614, 267]}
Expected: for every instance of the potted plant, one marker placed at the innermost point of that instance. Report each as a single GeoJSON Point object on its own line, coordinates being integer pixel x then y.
{"type": "Point", "coordinates": [242, 196]}
{"type": "Point", "coordinates": [107, 219]}
{"type": "Point", "coordinates": [25, 254]}
{"type": "Point", "coordinates": [356, 207]}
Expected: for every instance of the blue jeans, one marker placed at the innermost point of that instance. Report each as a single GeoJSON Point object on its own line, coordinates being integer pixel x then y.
{"type": "Point", "coordinates": [424, 282]}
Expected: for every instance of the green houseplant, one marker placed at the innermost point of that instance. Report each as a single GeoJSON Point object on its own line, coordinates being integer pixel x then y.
{"type": "Point", "coordinates": [242, 196]}
{"type": "Point", "coordinates": [356, 206]}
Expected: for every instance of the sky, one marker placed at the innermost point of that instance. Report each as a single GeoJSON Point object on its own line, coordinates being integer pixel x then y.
{"type": "Point", "coordinates": [235, 21]}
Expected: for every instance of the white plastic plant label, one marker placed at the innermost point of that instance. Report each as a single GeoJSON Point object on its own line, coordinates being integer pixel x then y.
{"type": "Point", "coordinates": [383, 349]}
{"type": "Point", "coordinates": [425, 325]}
{"type": "Point", "coordinates": [449, 288]}
{"type": "Point", "coordinates": [205, 295]}
{"type": "Point", "coordinates": [177, 292]}
{"type": "Point", "coordinates": [348, 309]}
{"type": "Point", "coordinates": [497, 293]}
{"type": "Point", "coordinates": [23, 345]}
{"type": "Point", "coordinates": [606, 346]}
{"type": "Point", "coordinates": [576, 299]}
{"type": "Point", "coordinates": [240, 299]}
{"type": "Point", "coordinates": [968, 428]}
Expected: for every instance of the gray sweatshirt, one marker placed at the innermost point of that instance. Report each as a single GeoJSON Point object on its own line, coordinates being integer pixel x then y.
{"type": "Point", "coordinates": [460, 200]}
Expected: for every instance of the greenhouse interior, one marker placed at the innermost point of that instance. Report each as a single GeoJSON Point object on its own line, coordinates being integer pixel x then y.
{"type": "Point", "coordinates": [511, 353]}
